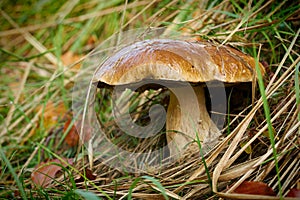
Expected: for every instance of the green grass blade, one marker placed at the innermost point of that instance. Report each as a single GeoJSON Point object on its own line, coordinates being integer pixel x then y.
{"type": "Point", "coordinates": [297, 89]}
{"type": "Point", "coordinates": [157, 184]}
{"type": "Point", "coordinates": [149, 178]}
{"type": "Point", "coordinates": [268, 119]}
{"type": "Point", "coordinates": [63, 161]}
{"type": "Point", "coordinates": [13, 173]}
{"type": "Point", "coordinates": [87, 195]}
{"type": "Point", "coordinates": [204, 163]}
{"type": "Point", "coordinates": [129, 196]}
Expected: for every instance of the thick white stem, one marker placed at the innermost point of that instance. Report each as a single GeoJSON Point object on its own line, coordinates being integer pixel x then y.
{"type": "Point", "coordinates": [188, 115]}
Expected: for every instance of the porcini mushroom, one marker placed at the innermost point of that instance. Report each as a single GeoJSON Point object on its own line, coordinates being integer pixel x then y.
{"type": "Point", "coordinates": [179, 61]}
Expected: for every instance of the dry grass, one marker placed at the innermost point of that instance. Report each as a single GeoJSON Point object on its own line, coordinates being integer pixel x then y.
{"type": "Point", "coordinates": [34, 39]}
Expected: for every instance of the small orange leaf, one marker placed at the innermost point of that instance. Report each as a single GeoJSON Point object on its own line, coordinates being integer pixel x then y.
{"type": "Point", "coordinates": [72, 137]}
{"type": "Point", "coordinates": [50, 115]}
{"type": "Point", "coordinates": [69, 58]}
{"type": "Point", "coordinates": [92, 40]}
{"type": "Point", "coordinates": [45, 172]}
{"type": "Point", "coordinates": [53, 113]}
{"type": "Point", "coordinates": [255, 188]}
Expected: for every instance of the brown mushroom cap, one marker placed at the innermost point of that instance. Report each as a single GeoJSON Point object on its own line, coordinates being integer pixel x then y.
{"type": "Point", "coordinates": [176, 60]}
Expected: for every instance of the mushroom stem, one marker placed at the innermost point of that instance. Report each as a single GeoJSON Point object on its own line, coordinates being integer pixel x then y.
{"type": "Point", "coordinates": [188, 119]}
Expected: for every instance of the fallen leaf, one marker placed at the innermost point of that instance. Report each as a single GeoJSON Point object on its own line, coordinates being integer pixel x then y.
{"type": "Point", "coordinates": [88, 174]}
{"type": "Point", "coordinates": [255, 188]}
{"type": "Point", "coordinates": [87, 131]}
{"type": "Point", "coordinates": [45, 172]}
{"type": "Point", "coordinates": [69, 58]}
{"type": "Point", "coordinates": [92, 40]}
{"type": "Point", "coordinates": [72, 137]}
{"type": "Point", "coordinates": [294, 192]}
{"type": "Point", "coordinates": [53, 113]}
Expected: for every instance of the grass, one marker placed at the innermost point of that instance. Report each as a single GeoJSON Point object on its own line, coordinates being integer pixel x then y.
{"type": "Point", "coordinates": [36, 98]}
{"type": "Point", "coordinates": [268, 119]}
{"type": "Point", "coordinates": [11, 170]}
{"type": "Point", "coordinates": [297, 89]}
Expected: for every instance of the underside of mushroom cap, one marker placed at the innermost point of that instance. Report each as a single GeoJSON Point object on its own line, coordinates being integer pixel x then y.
{"type": "Point", "coordinates": [176, 60]}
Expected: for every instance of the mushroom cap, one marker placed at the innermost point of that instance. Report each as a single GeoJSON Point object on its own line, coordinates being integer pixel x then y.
{"type": "Point", "coordinates": [176, 60]}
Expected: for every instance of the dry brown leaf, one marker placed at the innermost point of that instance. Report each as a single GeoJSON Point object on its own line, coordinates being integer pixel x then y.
{"type": "Point", "coordinates": [45, 172]}
{"type": "Point", "coordinates": [294, 192]}
{"type": "Point", "coordinates": [70, 58]}
{"type": "Point", "coordinates": [88, 174]}
{"type": "Point", "coordinates": [87, 133]}
{"type": "Point", "coordinates": [254, 187]}
{"type": "Point", "coordinates": [92, 40]}
{"type": "Point", "coordinates": [72, 137]}
{"type": "Point", "coordinates": [53, 113]}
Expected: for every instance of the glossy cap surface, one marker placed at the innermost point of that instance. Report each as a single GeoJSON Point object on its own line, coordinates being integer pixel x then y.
{"type": "Point", "coordinates": [176, 60]}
